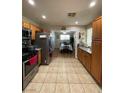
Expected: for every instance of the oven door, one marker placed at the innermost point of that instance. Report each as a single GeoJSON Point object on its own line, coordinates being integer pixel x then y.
{"type": "Point", "coordinates": [28, 65]}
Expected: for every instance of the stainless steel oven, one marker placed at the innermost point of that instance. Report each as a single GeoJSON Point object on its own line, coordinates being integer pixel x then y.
{"type": "Point", "coordinates": [30, 68]}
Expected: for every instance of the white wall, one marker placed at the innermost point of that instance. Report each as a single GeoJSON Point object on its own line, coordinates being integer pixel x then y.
{"type": "Point", "coordinates": [76, 41]}
{"type": "Point", "coordinates": [57, 41]}
{"type": "Point", "coordinates": [53, 38]}
{"type": "Point", "coordinates": [81, 29]}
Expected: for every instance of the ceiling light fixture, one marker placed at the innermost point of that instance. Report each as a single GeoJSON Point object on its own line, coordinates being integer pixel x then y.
{"type": "Point", "coordinates": [31, 2]}
{"type": "Point", "coordinates": [76, 22]}
{"type": "Point", "coordinates": [43, 16]}
{"type": "Point", "coordinates": [92, 4]}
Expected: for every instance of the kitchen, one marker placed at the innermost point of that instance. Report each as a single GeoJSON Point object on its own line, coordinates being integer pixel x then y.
{"type": "Point", "coordinates": [62, 53]}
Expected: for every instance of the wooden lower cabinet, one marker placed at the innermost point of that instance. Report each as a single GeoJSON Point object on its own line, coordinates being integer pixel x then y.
{"type": "Point", "coordinates": [92, 62]}
{"type": "Point", "coordinates": [79, 54]}
{"type": "Point", "coordinates": [85, 58]}
{"type": "Point", "coordinates": [96, 65]}
{"type": "Point", "coordinates": [88, 61]}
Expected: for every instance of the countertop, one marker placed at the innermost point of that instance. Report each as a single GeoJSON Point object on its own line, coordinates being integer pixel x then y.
{"type": "Point", "coordinates": [37, 48]}
{"type": "Point", "coordinates": [86, 49]}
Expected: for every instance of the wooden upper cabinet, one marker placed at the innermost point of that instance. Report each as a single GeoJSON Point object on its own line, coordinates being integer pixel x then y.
{"type": "Point", "coordinates": [97, 29]}
{"type": "Point", "coordinates": [33, 29]}
{"type": "Point", "coordinates": [37, 29]}
{"type": "Point", "coordinates": [26, 25]}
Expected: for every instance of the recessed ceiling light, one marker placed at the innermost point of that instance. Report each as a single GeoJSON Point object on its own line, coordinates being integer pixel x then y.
{"type": "Point", "coordinates": [92, 4]}
{"type": "Point", "coordinates": [31, 2]}
{"type": "Point", "coordinates": [76, 22]}
{"type": "Point", "coordinates": [43, 16]}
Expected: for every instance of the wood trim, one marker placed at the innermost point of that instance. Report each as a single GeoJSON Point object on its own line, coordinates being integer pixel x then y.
{"type": "Point", "coordinates": [98, 18]}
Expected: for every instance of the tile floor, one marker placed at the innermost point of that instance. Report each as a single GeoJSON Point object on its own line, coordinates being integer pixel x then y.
{"type": "Point", "coordinates": [64, 74]}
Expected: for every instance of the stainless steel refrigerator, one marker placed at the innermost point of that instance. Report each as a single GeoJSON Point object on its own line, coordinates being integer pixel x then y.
{"type": "Point", "coordinates": [42, 41]}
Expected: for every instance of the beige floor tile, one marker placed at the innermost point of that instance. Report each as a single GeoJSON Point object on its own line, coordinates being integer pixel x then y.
{"type": "Point", "coordinates": [61, 64]}
{"type": "Point", "coordinates": [69, 64]}
{"type": "Point", "coordinates": [48, 88]}
{"type": "Point", "coordinates": [77, 65]}
{"type": "Point", "coordinates": [53, 64]}
{"type": "Point", "coordinates": [62, 70]}
{"type": "Point", "coordinates": [76, 88]}
{"type": "Point", "coordinates": [73, 78]}
{"type": "Point", "coordinates": [62, 78]}
{"type": "Point", "coordinates": [80, 70]}
{"type": "Point", "coordinates": [43, 69]}
{"type": "Point", "coordinates": [39, 78]}
{"type": "Point", "coordinates": [29, 91]}
{"type": "Point", "coordinates": [51, 78]}
{"type": "Point", "coordinates": [70, 70]}
{"type": "Point", "coordinates": [63, 75]}
{"type": "Point", "coordinates": [91, 88]}
{"type": "Point", "coordinates": [86, 78]}
{"type": "Point", "coordinates": [72, 64]}
{"type": "Point", "coordinates": [53, 69]}
{"type": "Point", "coordinates": [62, 88]}
{"type": "Point", "coordinates": [75, 60]}
{"type": "Point", "coordinates": [34, 87]}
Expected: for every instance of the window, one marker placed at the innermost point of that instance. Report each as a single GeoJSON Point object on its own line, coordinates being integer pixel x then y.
{"type": "Point", "coordinates": [89, 36]}
{"type": "Point", "coordinates": [64, 37]}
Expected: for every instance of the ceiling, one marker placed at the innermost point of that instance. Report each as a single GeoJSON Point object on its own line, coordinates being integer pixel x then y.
{"type": "Point", "coordinates": [56, 11]}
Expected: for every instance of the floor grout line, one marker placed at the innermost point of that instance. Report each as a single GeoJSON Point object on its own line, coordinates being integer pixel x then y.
{"type": "Point", "coordinates": [66, 66]}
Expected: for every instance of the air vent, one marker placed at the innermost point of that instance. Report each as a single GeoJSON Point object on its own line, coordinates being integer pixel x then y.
{"type": "Point", "coordinates": [71, 14]}
{"type": "Point", "coordinates": [63, 28]}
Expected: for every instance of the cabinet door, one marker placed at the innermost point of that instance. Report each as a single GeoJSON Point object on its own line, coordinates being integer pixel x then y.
{"type": "Point", "coordinates": [26, 25]}
{"type": "Point", "coordinates": [96, 65]}
{"type": "Point", "coordinates": [97, 29]}
{"type": "Point", "coordinates": [37, 29]}
{"type": "Point", "coordinates": [83, 57]}
{"type": "Point", "coordinates": [23, 24]}
{"type": "Point", "coordinates": [88, 62]}
{"type": "Point", "coordinates": [78, 54]}
{"type": "Point", "coordinates": [33, 29]}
